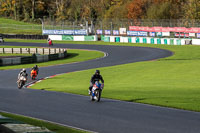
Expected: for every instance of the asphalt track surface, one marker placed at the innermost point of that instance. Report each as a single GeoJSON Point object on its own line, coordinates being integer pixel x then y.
{"type": "Point", "coordinates": [107, 116]}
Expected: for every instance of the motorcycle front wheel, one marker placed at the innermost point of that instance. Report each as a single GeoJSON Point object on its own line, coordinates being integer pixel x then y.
{"type": "Point", "coordinates": [20, 84]}
{"type": "Point", "coordinates": [98, 95]}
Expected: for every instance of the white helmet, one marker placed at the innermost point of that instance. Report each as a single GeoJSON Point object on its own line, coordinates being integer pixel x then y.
{"type": "Point", "coordinates": [23, 70]}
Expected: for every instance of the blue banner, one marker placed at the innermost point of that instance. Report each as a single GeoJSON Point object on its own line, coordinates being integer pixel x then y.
{"type": "Point", "coordinates": [116, 32]}
{"type": "Point", "coordinates": [107, 32]}
{"type": "Point", "coordinates": [132, 33]}
{"type": "Point", "coordinates": [99, 32]}
{"type": "Point", "coordinates": [142, 33]}
{"type": "Point", "coordinates": [137, 33]}
{"type": "Point", "coordinates": [64, 32]}
{"type": "Point", "coordinates": [152, 34]}
{"type": "Point", "coordinates": [198, 35]}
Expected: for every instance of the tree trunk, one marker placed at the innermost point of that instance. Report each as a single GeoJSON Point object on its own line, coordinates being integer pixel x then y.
{"type": "Point", "coordinates": [33, 9]}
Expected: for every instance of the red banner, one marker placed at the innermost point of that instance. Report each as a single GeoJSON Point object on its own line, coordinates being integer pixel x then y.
{"type": "Point", "coordinates": [195, 30]}
{"type": "Point", "coordinates": [158, 29]}
{"type": "Point", "coordinates": [165, 29]}
{"type": "Point", "coordinates": [180, 29]}
{"type": "Point", "coordinates": [133, 28]}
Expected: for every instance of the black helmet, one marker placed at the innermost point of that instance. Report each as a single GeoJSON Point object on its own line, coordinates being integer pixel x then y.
{"type": "Point", "coordinates": [97, 72]}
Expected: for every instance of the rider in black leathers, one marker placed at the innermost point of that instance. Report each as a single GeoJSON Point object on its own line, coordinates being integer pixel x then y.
{"type": "Point", "coordinates": [36, 68]}
{"type": "Point", "coordinates": [95, 77]}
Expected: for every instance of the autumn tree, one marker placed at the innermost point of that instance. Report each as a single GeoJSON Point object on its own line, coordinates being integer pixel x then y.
{"type": "Point", "coordinates": [137, 9]}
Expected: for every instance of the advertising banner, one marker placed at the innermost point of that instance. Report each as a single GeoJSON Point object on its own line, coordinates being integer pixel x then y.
{"type": "Point", "coordinates": [142, 33]}
{"type": "Point", "coordinates": [159, 34]}
{"type": "Point", "coordinates": [107, 32]}
{"type": "Point", "coordinates": [64, 32]}
{"type": "Point", "coordinates": [68, 32]}
{"type": "Point", "coordinates": [132, 33]}
{"type": "Point", "coordinates": [150, 29]}
{"type": "Point", "coordinates": [195, 30]}
{"type": "Point", "coordinates": [152, 34]}
{"type": "Point", "coordinates": [165, 33]}
{"type": "Point", "coordinates": [99, 32]}
{"type": "Point", "coordinates": [67, 38]}
{"type": "Point", "coordinates": [180, 29]}
{"type": "Point", "coordinates": [80, 32]}
{"type": "Point", "coordinates": [192, 34]}
{"type": "Point", "coordinates": [179, 35]}
{"type": "Point", "coordinates": [198, 35]}
{"type": "Point", "coordinates": [122, 31]}
{"type": "Point", "coordinates": [165, 29]}
{"type": "Point", "coordinates": [133, 28]}
{"type": "Point", "coordinates": [116, 32]}
{"type": "Point", "coordinates": [158, 29]}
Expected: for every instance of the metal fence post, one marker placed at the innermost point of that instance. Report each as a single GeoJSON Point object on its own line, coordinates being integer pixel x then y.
{"type": "Point", "coordinates": [111, 28]}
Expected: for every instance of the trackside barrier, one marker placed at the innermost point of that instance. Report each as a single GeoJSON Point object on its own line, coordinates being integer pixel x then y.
{"type": "Point", "coordinates": [124, 39]}
{"type": "Point", "coordinates": [150, 40]}
{"type": "Point", "coordinates": [74, 38]}
{"type": "Point", "coordinates": [51, 54]}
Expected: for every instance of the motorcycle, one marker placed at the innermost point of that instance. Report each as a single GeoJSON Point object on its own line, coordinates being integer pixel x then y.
{"type": "Point", "coordinates": [33, 74]}
{"type": "Point", "coordinates": [96, 91]}
{"type": "Point", "coordinates": [21, 82]}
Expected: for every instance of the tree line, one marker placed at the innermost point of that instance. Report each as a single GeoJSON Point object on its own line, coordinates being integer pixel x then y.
{"type": "Point", "coordinates": [76, 10]}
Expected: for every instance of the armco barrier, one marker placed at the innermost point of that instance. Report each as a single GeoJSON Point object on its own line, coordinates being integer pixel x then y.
{"type": "Point", "coordinates": [34, 58]}
{"type": "Point", "coordinates": [53, 57]}
{"type": "Point", "coordinates": [27, 60]}
{"type": "Point", "coordinates": [25, 36]}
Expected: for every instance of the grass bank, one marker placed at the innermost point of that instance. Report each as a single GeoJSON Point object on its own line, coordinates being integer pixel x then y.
{"type": "Point", "coordinates": [52, 127]}
{"type": "Point", "coordinates": [10, 26]}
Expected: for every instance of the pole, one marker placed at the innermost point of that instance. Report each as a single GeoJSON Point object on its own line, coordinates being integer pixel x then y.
{"type": "Point", "coordinates": [42, 24]}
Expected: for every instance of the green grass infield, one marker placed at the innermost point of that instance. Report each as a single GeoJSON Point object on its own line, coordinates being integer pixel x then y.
{"type": "Point", "coordinates": [171, 82]}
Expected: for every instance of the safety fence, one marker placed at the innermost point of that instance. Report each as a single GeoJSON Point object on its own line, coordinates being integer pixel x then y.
{"type": "Point", "coordinates": [38, 55]}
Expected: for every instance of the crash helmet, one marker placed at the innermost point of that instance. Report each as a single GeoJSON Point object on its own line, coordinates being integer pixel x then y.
{"type": "Point", "coordinates": [23, 70]}
{"type": "Point", "coordinates": [97, 72]}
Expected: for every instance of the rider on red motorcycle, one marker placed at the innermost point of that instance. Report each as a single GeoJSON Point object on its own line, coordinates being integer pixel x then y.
{"type": "Point", "coordinates": [95, 77]}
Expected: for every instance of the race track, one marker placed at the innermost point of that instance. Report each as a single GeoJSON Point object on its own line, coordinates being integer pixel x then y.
{"type": "Point", "coordinates": [107, 116]}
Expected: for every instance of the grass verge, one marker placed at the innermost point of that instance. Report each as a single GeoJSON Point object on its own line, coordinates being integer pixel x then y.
{"type": "Point", "coordinates": [52, 127]}
{"type": "Point", "coordinates": [74, 55]}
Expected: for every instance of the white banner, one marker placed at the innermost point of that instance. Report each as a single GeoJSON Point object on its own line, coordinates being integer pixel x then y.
{"type": "Point", "coordinates": [192, 34]}
{"type": "Point", "coordinates": [122, 31]}
{"type": "Point", "coordinates": [166, 34]}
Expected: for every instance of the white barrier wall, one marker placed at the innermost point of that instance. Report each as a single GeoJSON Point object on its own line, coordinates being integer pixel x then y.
{"type": "Point", "coordinates": [55, 37]}
{"type": "Point", "coordinates": [112, 39]}
{"type": "Point", "coordinates": [196, 41]}
{"type": "Point", "coordinates": [79, 38]}
{"type": "Point", "coordinates": [133, 39]}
